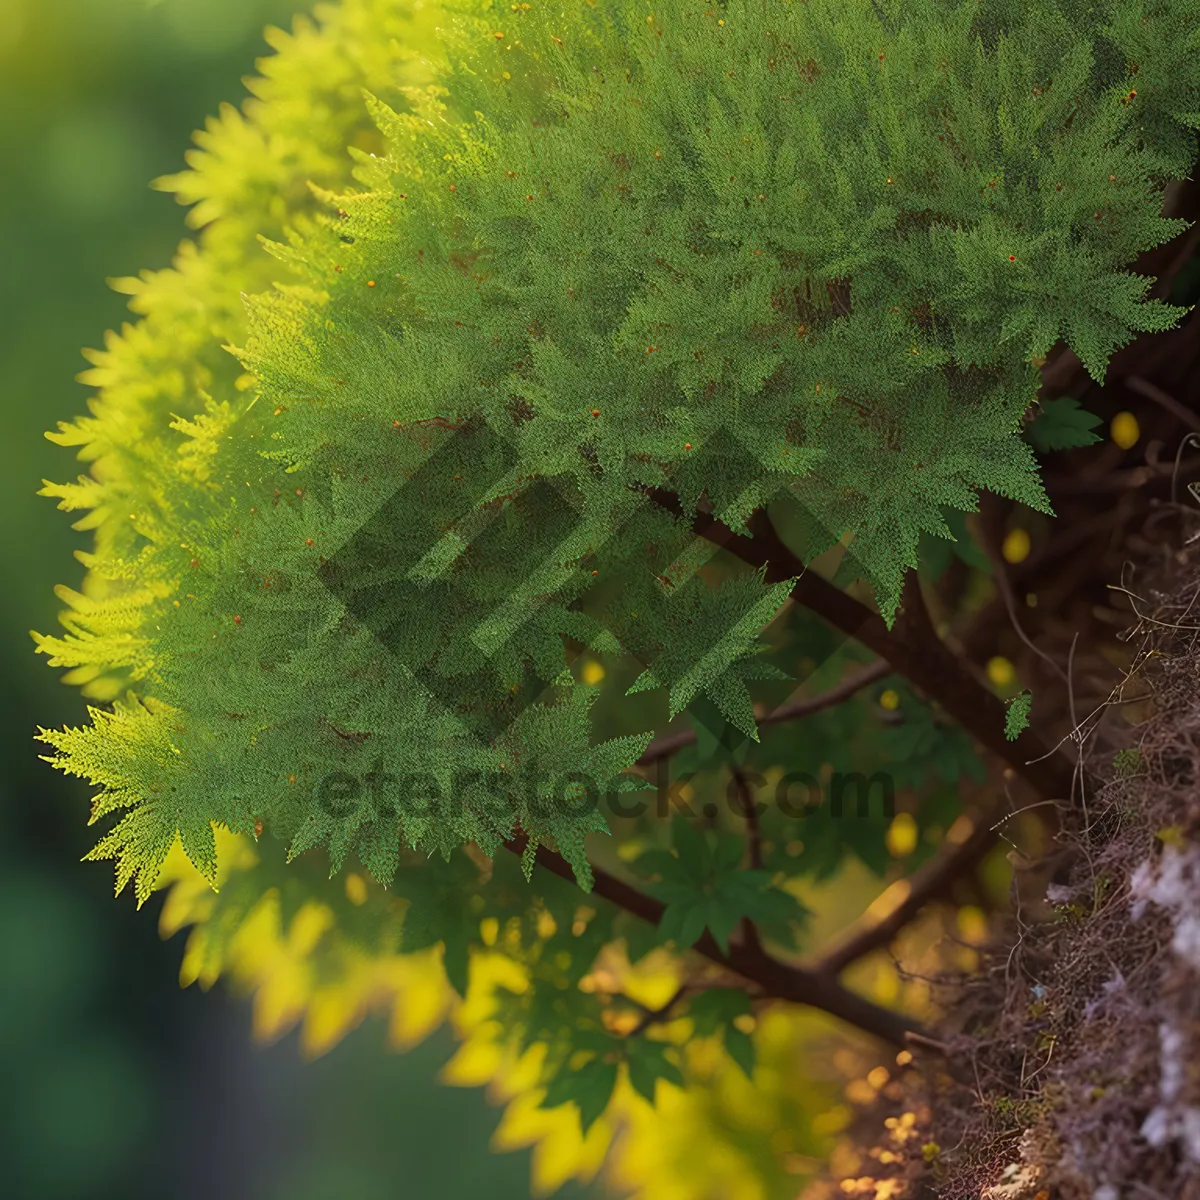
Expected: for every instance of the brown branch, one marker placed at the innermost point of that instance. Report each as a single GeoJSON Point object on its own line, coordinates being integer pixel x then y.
{"type": "Point", "coordinates": [930, 882]}
{"type": "Point", "coordinates": [777, 980]}
{"type": "Point", "coordinates": [651, 1016]}
{"type": "Point", "coordinates": [912, 647]}
{"type": "Point", "coordinates": [664, 747]}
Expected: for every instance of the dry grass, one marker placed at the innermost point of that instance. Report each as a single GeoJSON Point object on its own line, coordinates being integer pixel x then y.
{"type": "Point", "coordinates": [1073, 1070]}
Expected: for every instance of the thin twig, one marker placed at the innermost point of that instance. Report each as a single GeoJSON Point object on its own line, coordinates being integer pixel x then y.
{"type": "Point", "coordinates": [1002, 584]}
{"type": "Point", "coordinates": [926, 1043]}
{"type": "Point", "coordinates": [750, 812]}
{"type": "Point", "coordinates": [911, 646]}
{"type": "Point", "coordinates": [776, 979]}
{"type": "Point", "coordinates": [1144, 387]}
{"type": "Point", "coordinates": [1190, 440]}
{"type": "Point", "coordinates": [1112, 481]}
{"type": "Point", "coordinates": [652, 1016]}
{"type": "Point", "coordinates": [930, 882]}
{"type": "Point", "coordinates": [793, 710]}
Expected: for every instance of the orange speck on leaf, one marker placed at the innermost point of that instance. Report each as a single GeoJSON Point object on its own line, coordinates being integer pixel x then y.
{"type": "Point", "coordinates": [370, 283]}
{"type": "Point", "coordinates": [195, 562]}
{"type": "Point", "coordinates": [308, 541]}
{"type": "Point", "coordinates": [237, 620]}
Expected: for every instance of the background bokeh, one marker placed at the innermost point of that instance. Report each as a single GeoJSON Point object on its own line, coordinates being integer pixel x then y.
{"type": "Point", "coordinates": [117, 1082]}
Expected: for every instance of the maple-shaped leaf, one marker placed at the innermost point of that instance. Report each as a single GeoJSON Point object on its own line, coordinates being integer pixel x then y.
{"type": "Point", "coordinates": [1061, 424]}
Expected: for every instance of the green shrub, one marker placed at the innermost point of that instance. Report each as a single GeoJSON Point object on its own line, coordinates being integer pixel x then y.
{"type": "Point", "coordinates": [595, 377]}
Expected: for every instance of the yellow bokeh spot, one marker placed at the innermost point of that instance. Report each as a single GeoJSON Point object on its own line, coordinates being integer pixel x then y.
{"type": "Point", "coordinates": [489, 930]}
{"type": "Point", "coordinates": [1124, 430]}
{"type": "Point", "coordinates": [972, 924]}
{"type": "Point", "coordinates": [623, 1022]}
{"type": "Point", "coordinates": [833, 1121]}
{"type": "Point", "coordinates": [356, 889]}
{"type": "Point", "coordinates": [1016, 546]}
{"type": "Point", "coordinates": [592, 672]}
{"type": "Point", "coordinates": [885, 987]}
{"type": "Point", "coordinates": [890, 700]}
{"type": "Point", "coordinates": [902, 835]}
{"type": "Point", "coordinates": [1000, 671]}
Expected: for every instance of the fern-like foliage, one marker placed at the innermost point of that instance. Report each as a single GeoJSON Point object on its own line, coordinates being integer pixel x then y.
{"type": "Point", "coordinates": [167, 392]}
{"type": "Point", "coordinates": [795, 254]}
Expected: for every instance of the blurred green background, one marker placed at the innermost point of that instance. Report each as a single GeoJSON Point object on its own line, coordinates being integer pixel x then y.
{"type": "Point", "coordinates": [117, 1082]}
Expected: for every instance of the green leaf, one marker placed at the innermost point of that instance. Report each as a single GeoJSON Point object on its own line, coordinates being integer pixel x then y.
{"type": "Point", "coordinates": [728, 854]}
{"type": "Point", "coordinates": [683, 923]}
{"type": "Point", "coordinates": [703, 889]}
{"type": "Point", "coordinates": [692, 848]}
{"type": "Point", "coordinates": [716, 1007]}
{"type": "Point", "coordinates": [964, 545]}
{"type": "Point", "coordinates": [741, 1049]}
{"type": "Point", "coordinates": [660, 862]}
{"type": "Point", "coordinates": [708, 744]}
{"type": "Point", "coordinates": [722, 920]}
{"type": "Point", "coordinates": [456, 960]}
{"type": "Point", "coordinates": [1016, 720]}
{"type": "Point", "coordinates": [1061, 425]}
{"type": "Point", "coordinates": [590, 1088]}
{"type": "Point", "coordinates": [647, 1064]}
